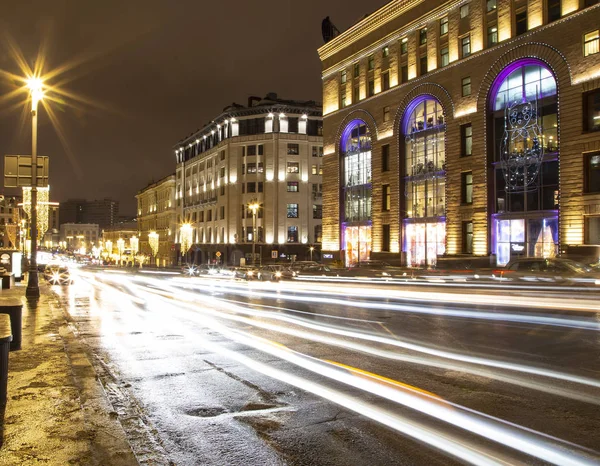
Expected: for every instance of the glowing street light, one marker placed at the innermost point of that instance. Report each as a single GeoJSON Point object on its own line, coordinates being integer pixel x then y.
{"type": "Point", "coordinates": [311, 249]}
{"type": "Point", "coordinates": [186, 238]}
{"type": "Point", "coordinates": [134, 246]}
{"type": "Point", "coordinates": [153, 238]}
{"type": "Point", "coordinates": [254, 206]}
{"type": "Point", "coordinates": [120, 248]}
{"type": "Point", "coordinates": [36, 91]}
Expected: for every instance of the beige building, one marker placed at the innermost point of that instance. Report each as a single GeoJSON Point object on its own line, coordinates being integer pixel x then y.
{"type": "Point", "coordinates": [156, 213]}
{"type": "Point", "coordinates": [75, 236]}
{"type": "Point", "coordinates": [128, 232]}
{"type": "Point", "coordinates": [463, 128]}
{"type": "Point", "coordinates": [269, 153]}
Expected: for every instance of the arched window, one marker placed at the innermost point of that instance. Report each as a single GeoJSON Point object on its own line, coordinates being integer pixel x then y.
{"type": "Point", "coordinates": [355, 149]}
{"type": "Point", "coordinates": [523, 109]}
{"type": "Point", "coordinates": [424, 181]}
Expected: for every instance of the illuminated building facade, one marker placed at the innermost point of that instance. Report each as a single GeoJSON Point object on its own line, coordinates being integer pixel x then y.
{"type": "Point", "coordinates": [269, 152]}
{"type": "Point", "coordinates": [462, 128]}
{"type": "Point", "coordinates": [79, 236]}
{"type": "Point", "coordinates": [156, 213]}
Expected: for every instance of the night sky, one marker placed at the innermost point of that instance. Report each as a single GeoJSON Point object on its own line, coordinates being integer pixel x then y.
{"type": "Point", "coordinates": [148, 73]}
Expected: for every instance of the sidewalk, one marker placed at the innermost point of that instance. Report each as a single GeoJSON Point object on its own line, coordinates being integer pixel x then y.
{"type": "Point", "coordinates": [57, 412]}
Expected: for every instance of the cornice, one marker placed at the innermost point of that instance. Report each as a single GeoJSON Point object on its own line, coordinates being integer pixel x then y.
{"type": "Point", "coordinates": [371, 23]}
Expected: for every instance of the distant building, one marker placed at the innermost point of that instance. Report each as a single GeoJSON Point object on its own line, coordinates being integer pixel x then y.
{"type": "Point", "coordinates": [74, 236]}
{"type": "Point", "coordinates": [10, 218]}
{"type": "Point", "coordinates": [52, 235]}
{"type": "Point", "coordinates": [104, 212]}
{"type": "Point", "coordinates": [156, 213]}
{"type": "Point", "coordinates": [122, 230]}
{"type": "Point", "coordinates": [267, 153]}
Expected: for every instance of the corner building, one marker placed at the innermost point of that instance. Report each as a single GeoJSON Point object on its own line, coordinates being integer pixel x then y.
{"type": "Point", "coordinates": [268, 153]}
{"type": "Point", "coordinates": [462, 128]}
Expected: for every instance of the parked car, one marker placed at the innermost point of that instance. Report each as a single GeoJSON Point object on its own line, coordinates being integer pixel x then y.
{"type": "Point", "coordinates": [57, 275]}
{"type": "Point", "coordinates": [553, 270]}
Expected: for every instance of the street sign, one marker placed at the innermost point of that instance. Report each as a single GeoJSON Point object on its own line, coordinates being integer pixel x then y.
{"type": "Point", "coordinates": [218, 254]}
{"type": "Point", "coordinates": [17, 171]}
{"type": "Point", "coordinates": [274, 253]}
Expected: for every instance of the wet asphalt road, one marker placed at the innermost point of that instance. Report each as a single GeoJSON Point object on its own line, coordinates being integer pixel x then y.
{"type": "Point", "coordinates": [310, 374]}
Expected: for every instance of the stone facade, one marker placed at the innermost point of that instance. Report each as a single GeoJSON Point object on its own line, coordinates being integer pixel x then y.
{"type": "Point", "coordinates": [557, 46]}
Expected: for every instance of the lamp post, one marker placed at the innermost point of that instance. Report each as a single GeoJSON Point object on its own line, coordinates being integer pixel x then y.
{"type": "Point", "coordinates": [35, 90]}
{"type": "Point", "coordinates": [254, 206]}
{"type": "Point", "coordinates": [311, 249]}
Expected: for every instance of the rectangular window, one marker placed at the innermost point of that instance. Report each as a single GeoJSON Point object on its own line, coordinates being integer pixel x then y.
{"type": "Point", "coordinates": [343, 76]}
{"type": "Point", "coordinates": [554, 10]}
{"type": "Point", "coordinates": [592, 229]}
{"type": "Point", "coordinates": [591, 110]}
{"type": "Point", "coordinates": [423, 36]}
{"type": "Point", "coordinates": [260, 186]}
{"type": "Point", "coordinates": [292, 211]}
{"type": "Point", "coordinates": [243, 169]}
{"type": "Point", "coordinates": [466, 86]}
{"type": "Point", "coordinates": [260, 167]}
{"type": "Point", "coordinates": [209, 215]}
{"type": "Point", "coordinates": [315, 169]}
{"type": "Point", "coordinates": [404, 46]}
{"type": "Point", "coordinates": [464, 11]}
{"type": "Point", "coordinates": [251, 188]}
{"type": "Point", "coordinates": [293, 187]}
{"type": "Point", "coordinates": [356, 94]}
{"type": "Point", "coordinates": [385, 51]}
{"type": "Point", "coordinates": [386, 238]}
{"type": "Point", "coordinates": [467, 188]}
{"type": "Point", "coordinates": [404, 73]}
{"type": "Point", "coordinates": [385, 81]}
{"type": "Point", "coordinates": [251, 150]}
{"type": "Point", "coordinates": [385, 158]}
{"type": "Point", "coordinates": [251, 168]}
{"type": "Point", "coordinates": [492, 36]}
{"type": "Point", "coordinates": [591, 172]}
{"type": "Point", "coordinates": [315, 151]}
{"type": "Point", "coordinates": [356, 70]}
{"type": "Point", "coordinates": [490, 5]}
{"type": "Point", "coordinates": [386, 198]}
{"type": "Point", "coordinates": [591, 43]}
{"type": "Point", "coordinates": [386, 113]}
{"type": "Point", "coordinates": [222, 172]}
{"type": "Point", "coordinates": [222, 212]}
{"type": "Point", "coordinates": [223, 190]}
{"type": "Point", "coordinates": [222, 155]}
{"type": "Point", "coordinates": [465, 46]}
{"type": "Point", "coordinates": [293, 149]}
{"type": "Point", "coordinates": [466, 133]}
{"type": "Point", "coordinates": [371, 88]}
{"type": "Point", "coordinates": [371, 62]}
{"type": "Point", "coordinates": [521, 22]}
{"type": "Point", "coordinates": [444, 56]}
{"type": "Point", "coordinates": [292, 235]}
{"type": "Point", "coordinates": [467, 237]}
{"type": "Point", "coordinates": [343, 102]}
{"type": "Point", "coordinates": [444, 26]}
{"type": "Point", "coordinates": [293, 167]}
{"type": "Point", "coordinates": [317, 211]}
{"type": "Point", "coordinates": [423, 65]}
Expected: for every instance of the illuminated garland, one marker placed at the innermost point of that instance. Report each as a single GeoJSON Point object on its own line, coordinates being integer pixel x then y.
{"type": "Point", "coordinates": [11, 232]}
{"type": "Point", "coordinates": [153, 241]}
{"type": "Point", "coordinates": [186, 238]}
{"type": "Point", "coordinates": [134, 243]}
{"type": "Point", "coordinates": [43, 198]}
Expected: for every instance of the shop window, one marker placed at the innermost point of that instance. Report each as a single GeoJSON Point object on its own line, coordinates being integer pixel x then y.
{"type": "Point", "coordinates": [466, 137]}
{"type": "Point", "coordinates": [444, 26]}
{"type": "Point", "coordinates": [355, 148]}
{"type": "Point", "coordinates": [385, 158]}
{"type": "Point", "coordinates": [467, 237]}
{"type": "Point", "coordinates": [467, 188]}
{"type": "Point", "coordinates": [466, 86]}
{"type": "Point", "coordinates": [591, 172]}
{"type": "Point", "coordinates": [591, 110]}
{"type": "Point", "coordinates": [387, 198]}
{"type": "Point", "coordinates": [385, 238]}
{"type": "Point", "coordinates": [292, 211]}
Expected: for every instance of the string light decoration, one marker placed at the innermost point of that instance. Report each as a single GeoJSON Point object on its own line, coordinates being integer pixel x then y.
{"type": "Point", "coordinates": [109, 246]}
{"type": "Point", "coordinates": [43, 198]}
{"type": "Point", "coordinates": [134, 245]}
{"type": "Point", "coordinates": [153, 238]}
{"type": "Point", "coordinates": [186, 238]}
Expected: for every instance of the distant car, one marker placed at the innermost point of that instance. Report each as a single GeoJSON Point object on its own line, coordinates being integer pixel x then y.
{"type": "Point", "coordinates": [246, 273]}
{"type": "Point", "coordinates": [271, 273]}
{"type": "Point", "coordinates": [552, 270]}
{"type": "Point", "coordinates": [57, 275]}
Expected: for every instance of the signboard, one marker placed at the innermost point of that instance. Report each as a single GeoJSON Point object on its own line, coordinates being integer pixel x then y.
{"type": "Point", "coordinates": [274, 254]}
{"type": "Point", "coordinates": [17, 171]}
{"type": "Point", "coordinates": [218, 254]}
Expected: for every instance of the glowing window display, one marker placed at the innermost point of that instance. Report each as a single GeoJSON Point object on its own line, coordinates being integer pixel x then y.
{"type": "Point", "coordinates": [355, 149]}
{"type": "Point", "coordinates": [533, 237]}
{"type": "Point", "coordinates": [424, 181]}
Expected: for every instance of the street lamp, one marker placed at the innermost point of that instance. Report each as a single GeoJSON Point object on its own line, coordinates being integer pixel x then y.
{"type": "Point", "coordinates": [254, 206]}
{"type": "Point", "coordinates": [311, 249]}
{"type": "Point", "coordinates": [36, 92]}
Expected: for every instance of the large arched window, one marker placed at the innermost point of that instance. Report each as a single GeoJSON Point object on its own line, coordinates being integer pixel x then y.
{"type": "Point", "coordinates": [424, 181]}
{"type": "Point", "coordinates": [355, 149]}
{"type": "Point", "coordinates": [523, 109]}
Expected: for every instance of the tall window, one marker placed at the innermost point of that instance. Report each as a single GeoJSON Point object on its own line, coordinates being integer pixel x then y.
{"type": "Point", "coordinates": [424, 181]}
{"type": "Point", "coordinates": [356, 72]}
{"type": "Point", "coordinates": [385, 80]}
{"type": "Point", "coordinates": [464, 10]}
{"type": "Point", "coordinates": [423, 36]}
{"type": "Point", "coordinates": [386, 113]}
{"type": "Point", "coordinates": [371, 62]}
{"type": "Point", "coordinates": [356, 172]}
{"type": "Point", "coordinates": [371, 88]}
{"type": "Point", "coordinates": [466, 137]}
{"type": "Point", "coordinates": [387, 198]}
{"type": "Point", "coordinates": [404, 73]}
{"type": "Point", "coordinates": [554, 10]}
{"type": "Point", "coordinates": [521, 21]}
{"type": "Point", "coordinates": [467, 237]}
{"type": "Point", "coordinates": [591, 110]}
{"type": "Point", "coordinates": [444, 26]}
{"type": "Point", "coordinates": [404, 46]}
{"type": "Point", "coordinates": [317, 211]}
{"type": "Point", "coordinates": [292, 234]}
{"type": "Point", "coordinates": [591, 43]}
{"type": "Point", "coordinates": [466, 86]}
{"type": "Point", "coordinates": [465, 46]}
{"type": "Point", "coordinates": [467, 188]}
{"type": "Point", "coordinates": [490, 5]}
{"type": "Point", "coordinates": [343, 77]}
{"type": "Point", "coordinates": [423, 65]}
{"type": "Point", "coordinates": [386, 238]}
{"type": "Point", "coordinates": [591, 172]}
{"type": "Point", "coordinates": [444, 56]}
{"type": "Point", "coordinates": [385, 158]}
{"type": "Point", "coordinates": [385, 51]}
{"type": "Point", "coordinates": [492, 36]}
{"type": "Point", "coordinates": [356, 94]}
